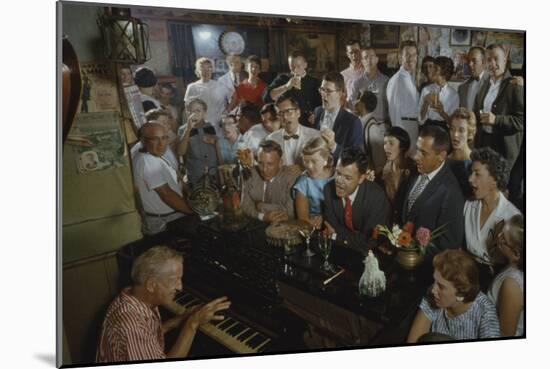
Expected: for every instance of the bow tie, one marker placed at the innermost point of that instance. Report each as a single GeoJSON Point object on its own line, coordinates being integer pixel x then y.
{"type": "Point", "coordinates": [290, 136]}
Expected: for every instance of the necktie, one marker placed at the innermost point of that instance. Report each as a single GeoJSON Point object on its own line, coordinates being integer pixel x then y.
{"type": "Point", "coordinates": [348, 216]}
{"type": "Point", "coordinates": [235, 79]}
{"type": "Point", "coordinates": [295, 137]}
{"type": "Point", "coordinates": [417, 191]}
{"type": "Point", "coordinates": [267, 192]}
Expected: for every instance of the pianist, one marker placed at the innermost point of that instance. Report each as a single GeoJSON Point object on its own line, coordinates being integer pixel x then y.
{"type": "Point", "coordinates": [132, 329]}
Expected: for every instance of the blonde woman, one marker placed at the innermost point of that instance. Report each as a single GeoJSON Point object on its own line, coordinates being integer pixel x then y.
{"type": "Point", "coordinates": [308, 189]}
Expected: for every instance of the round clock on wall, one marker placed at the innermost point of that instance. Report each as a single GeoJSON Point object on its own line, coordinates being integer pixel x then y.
{"type": "Point", "coordinates": [231, 43]}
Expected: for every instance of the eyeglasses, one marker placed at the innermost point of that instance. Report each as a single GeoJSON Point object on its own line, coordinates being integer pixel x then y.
{"type": "Point", "coordinates": [282, 113]}
{"type": "Point", "coordinates": [323, 90]}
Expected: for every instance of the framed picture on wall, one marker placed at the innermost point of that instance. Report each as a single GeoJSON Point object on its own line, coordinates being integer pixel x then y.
{"type": "Point", "coordinates": [319, 49]}
{"type": "Point", "coordinates": [382, 35]}
{"type": "Point", "coordinates": [460, 37]}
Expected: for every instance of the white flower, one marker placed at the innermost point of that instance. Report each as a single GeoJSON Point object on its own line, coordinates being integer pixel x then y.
{"type": "Point", "coordinates": [396, 231]}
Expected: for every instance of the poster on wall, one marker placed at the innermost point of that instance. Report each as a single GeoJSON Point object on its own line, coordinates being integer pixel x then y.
{"type": "Point", "coordinates": [319, 48]}
{"type": "Point", "coordinates": [99, 90]}
{"type": "Point", "coordinates": [135, 105]}
{"type": "Point", "coordinates": [98, 142]}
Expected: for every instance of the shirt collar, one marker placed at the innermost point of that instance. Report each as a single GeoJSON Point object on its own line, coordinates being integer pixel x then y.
{"type": "Point", "coordinates": [353, 195]}
{"type": "Point", "coordinates": [434, 173]}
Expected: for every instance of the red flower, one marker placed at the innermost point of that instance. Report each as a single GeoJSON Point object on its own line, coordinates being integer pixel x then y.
{"type": "Point", "coordinates": [408, 227]}
{"type": "Point", "coordinates": [423, 235]}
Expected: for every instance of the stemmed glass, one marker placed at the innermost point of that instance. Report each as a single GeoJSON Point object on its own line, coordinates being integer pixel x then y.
{"type": "Point", "coordinates": [325, 246]}
{"type": "Point", "coordinates": [306, 232]}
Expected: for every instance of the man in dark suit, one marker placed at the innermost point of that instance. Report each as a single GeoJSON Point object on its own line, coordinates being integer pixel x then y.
{"type": "Point", "coordinates": [303, 87]}
{"type": "Point", "coordinates": [352, 205]}
{"type": "Point", "coordinates": [467, 91]}
{"type": "Point", "coordinates": [499, 108]}
{"type": "Point", "coordinates": [338, 126]}
{"type": "Point", "coordinates": [433, 197]}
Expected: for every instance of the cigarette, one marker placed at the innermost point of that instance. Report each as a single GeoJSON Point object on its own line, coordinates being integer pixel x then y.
{"type": "Point", "coordinates": [327, 281]}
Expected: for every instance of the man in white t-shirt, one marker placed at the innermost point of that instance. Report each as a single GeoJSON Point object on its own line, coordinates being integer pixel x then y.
{"type": "Point", "coordinates": [156, 181]}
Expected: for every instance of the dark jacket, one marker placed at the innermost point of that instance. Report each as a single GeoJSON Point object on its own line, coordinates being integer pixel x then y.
{"type": "Point", "coordinates": [508, 108]}
{"type": "Point", "coordinates": [370, 208]}
{"type": "Point", "coordinates": [348, 131]}
{"type": "Point", "coordinates": [441, 203]}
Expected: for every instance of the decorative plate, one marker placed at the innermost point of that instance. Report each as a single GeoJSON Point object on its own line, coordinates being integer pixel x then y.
{"type": "Point", "coordinates": [231, 43]}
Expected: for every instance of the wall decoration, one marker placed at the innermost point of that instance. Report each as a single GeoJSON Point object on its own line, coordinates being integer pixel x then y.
{"type": "Point", "coordinates": [99, 90]}
{"type": "Point", "coordinates": [460, 37]}
{"type": "Point", "coordinates": [319, 48]}
{"type": "Point", "coordinates": [135, 105]}
{"type": "Point", "coordinates": [478, 38]}
{"type": "Point", "coordinates": [409, 33]}
{"type": "Point", "coordinates": [384, 35]}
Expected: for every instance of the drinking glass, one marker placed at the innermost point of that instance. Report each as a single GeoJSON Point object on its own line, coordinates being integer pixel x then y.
{"type": "Point", "coordinates": [306, 232]}
{"type": "Point", "coordinates": [325, 246]}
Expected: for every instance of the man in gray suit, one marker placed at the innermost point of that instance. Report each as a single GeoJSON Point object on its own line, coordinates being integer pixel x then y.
{"type": "Point", "coordinates": [499, 108]}
{"type": "Point", "coordinates": [266, 194]}
{"type": "Point", "coordinates": [467, 91]}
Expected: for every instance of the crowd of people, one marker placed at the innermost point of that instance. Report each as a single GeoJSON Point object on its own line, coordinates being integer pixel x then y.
{"type": "Point", "coordinates": [351, 151]}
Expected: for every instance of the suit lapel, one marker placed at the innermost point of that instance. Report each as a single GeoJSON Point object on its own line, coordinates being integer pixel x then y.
{"type": "Point", "coordinates": [430, 188]}
{"type": "Point", "coordinates": [357, 206]}
{"type": "Point", "coordinates": [480, 97]}
{"type": "Point", "coordinates": [503, 84]}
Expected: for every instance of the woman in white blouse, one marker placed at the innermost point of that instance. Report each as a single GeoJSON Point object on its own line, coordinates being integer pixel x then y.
{"type": "Point", "coordinates": [506, 290]}
{"type": "Point", "coordinates": [488, 179]}
{"type": "Point", "coordinates": [439, 100]}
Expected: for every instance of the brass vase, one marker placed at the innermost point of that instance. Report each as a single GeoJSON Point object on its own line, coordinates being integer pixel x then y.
{"type": "Point", "coordinates": [409, 259]}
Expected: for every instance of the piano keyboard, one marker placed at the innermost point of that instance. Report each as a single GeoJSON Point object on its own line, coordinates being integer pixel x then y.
{"type": "Point", "coordinates": [231, 333]}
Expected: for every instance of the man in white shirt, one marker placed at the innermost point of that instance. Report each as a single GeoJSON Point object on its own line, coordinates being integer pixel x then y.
{"type": "Point", "coordinates": [403, 95]}
{"type": "Point", "coordinates": [233, 77]}
{"type": "Point", "coordinates": [467, 91]}
{"type": "Point", "coordinates": [355, 70]}
{"type": "Point", "coordinates": [293, 136]}
{"type": "Point", "coordinates": [157, 182]}
{"type": "Point", "coordinates": [374, 81]}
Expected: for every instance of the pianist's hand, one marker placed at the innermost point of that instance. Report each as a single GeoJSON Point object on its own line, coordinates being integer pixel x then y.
{"type": "Point", "coordinates": [275, 216]}
{"type": "Point", "coordinates": [208, 312]}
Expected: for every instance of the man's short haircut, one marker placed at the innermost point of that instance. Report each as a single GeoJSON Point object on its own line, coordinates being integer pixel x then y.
{"type": "Point", "coordinates": [154, 114]}
{"type": "Point", "coordinates": [145, 77]}
{"type": "Point", "coordinates": [268, 108]}
{"type": "Point", "coordinates": [270, 146]}
{"type": "Point", "coordinates": [401, 135]}
{"type": "Point", "coordinates": [369, 99]}
{"type": "Point", "coordinates": [196, 100]}
{"type": "Point", "coordinates": [407, 43]}
{"type": "Point", "coordinates": [478, 48]}
{"type": "Point", "coordinates": [152, 262]}
{"type": "Point", "coordinates": [426, 59]}
{"type": "Point", "coordinates": [287, 96]}
{"type": "Point", "coordinates": [200, 61]}
{"type": "Point", "coordinates": [254, 59]}
{"type": "Point", "coordinates": [446, 66]}
{"type": "Point", "coordinates": [297, 54]}
{"type": "Point", "coordinates": [461, 270]}
{"type": "Point", "coordinates": [352, 42]}
{"type": "Point", "coordinates": [494, 162]}
{"type": "Point", "coordinates": [250, 111]}
{"type": "Point", "coordinates": [336, 78]}
{"type": "Point", "coordinates": [496, 46]}
{"type": "Point", "coordinates": [442, 141]}
{"type": "Point", "coordinates": [352, 155]}
{"type": "Point", "coordinates": [148, 125]}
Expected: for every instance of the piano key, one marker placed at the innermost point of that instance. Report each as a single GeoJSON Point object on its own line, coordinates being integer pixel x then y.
{"type": "Point", "coordinates": [227, 324]}
{"type": "Point", "coordinates": [263, 345]}
{"type": "Point", "coordinates": [236, 329]}
{"type": "Point", "coordinates": [217, 324]}
{"type": "Point", "coordinates": [246, 334]}
{"type": "Point", "coordinates": [256, 341]}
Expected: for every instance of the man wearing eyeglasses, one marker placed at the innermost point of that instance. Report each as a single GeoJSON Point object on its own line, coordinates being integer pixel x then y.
{"type": "Point", "coordinates": [292, 136]}
{"type": "Point", "coordinates": [302, 86]}
{"type": "Point", "coordinates": [340, 128]}
{"type": "Point", "coordinates": [156, 180]}
{"type": "Point", "coordinates": [355, 69]}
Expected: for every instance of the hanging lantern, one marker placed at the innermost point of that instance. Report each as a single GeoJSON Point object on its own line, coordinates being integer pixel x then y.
{"type": "Point", "coordinates": [126, 39]}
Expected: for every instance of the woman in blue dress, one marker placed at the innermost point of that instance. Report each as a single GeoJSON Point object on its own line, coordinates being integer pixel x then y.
{"type": "Point", "coordinates": [308, 189]}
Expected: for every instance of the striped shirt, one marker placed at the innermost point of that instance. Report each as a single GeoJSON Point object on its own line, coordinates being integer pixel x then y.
{"type": "Point", "coordinates": [131, 331]}
{"type": "Point", "coordinates": [479, 321]}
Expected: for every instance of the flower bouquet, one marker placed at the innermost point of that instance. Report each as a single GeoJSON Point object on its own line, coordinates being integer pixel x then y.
{"type": "Point", "coordinates": [410, 250]}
